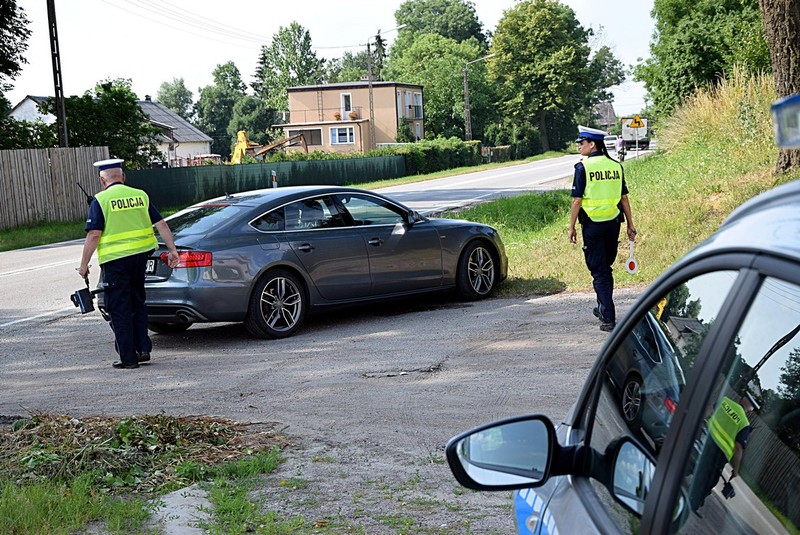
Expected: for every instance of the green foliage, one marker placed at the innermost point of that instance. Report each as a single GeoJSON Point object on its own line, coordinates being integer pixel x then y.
{"type": "Point", "coordinates": [696, 42]}
{"type": "Point", "coordinates": [452, 19]}
{"type": "Point", "coordinates": [214, 107]}
{"type": "Point", "coordinates": [252, 115]}
{"type": "Point", "coordinates": [177, 97]}
{"type": "Point", "coordinates": [349, 68]}
{"type": "Point", "coordinates": [428, 156]}
{"type": "Point", "coordinates": [14, 34]}
{"type": "Point", "coordinates": [404, 133]}
{"type": "Point", "coordinates": [25, 134]}
{"type": "Point", "coordinates": [289, 61]}
{"type": "Point", "coordinates": [437, 63]}
{"type": "Point", "coordinates": [542, 70]}
{"type": "Point", "coordinates": [110, 115]}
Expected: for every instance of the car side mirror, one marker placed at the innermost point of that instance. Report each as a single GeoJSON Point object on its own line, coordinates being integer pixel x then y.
{"type": "Point", "coordinates": [412, 217]}
{"type": "Point", "coordinates": [509, 454]}
{"type": "Point", "coordinates": [631, 475]}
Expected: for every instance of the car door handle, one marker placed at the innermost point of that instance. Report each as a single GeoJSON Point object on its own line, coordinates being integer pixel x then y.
{"type": "Point", "coordinates": [306, 248]}
{"type": "Point", "coordinates": [375, 242]}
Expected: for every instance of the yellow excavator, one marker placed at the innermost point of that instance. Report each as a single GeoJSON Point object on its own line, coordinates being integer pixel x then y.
{"type": "Point", "coordinates": [243, 146]}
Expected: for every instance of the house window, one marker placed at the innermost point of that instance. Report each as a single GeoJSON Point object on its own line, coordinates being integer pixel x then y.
{"type": "Point", "coordinates": [399, 103]}
{"type": "Point", "coordinates": [417, 105]}
{"type": "Point", "coordinates": [409, 113]}
{"type": "Point", "coordinates": [342, 136]}
{"type": "Point", "coordinates": [418, 131]}
{"type": "Point", "coordinates": [347, 103]}
{"type": "Point", "coordinates": [312, 137]}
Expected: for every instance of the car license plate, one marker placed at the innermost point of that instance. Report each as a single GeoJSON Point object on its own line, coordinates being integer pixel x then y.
{"type": "Point", "coordinates": [151, 266]}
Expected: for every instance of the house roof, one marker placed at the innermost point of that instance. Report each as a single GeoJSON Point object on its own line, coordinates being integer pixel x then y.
{"type": "Point", "coordinates": [34, 98]}
{"type": "Point", "coordinates": [182, 130]}
{"type": "Point", "coordinates": [350, 85]}
{"type": "Point", "coordinates": [687, 325]}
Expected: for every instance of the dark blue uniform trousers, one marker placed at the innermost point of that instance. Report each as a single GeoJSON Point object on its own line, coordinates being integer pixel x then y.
{"type": "Point", "coordinates": [124, 298]}
{"type": "Point", "coordinates": [600, 243]}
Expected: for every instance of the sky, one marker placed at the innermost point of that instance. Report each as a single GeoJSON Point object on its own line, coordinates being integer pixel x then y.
{"type": "Point", "coordinates": [156, 41]}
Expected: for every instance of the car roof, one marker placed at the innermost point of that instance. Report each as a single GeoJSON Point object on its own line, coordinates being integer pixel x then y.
{"type": "Point", "coordinates": [768, 223]}
{"type": "Point", "coordinates": [254, 198]}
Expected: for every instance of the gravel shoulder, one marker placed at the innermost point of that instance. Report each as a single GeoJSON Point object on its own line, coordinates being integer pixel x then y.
{"type": "Point", "coordinates": [367, 397]}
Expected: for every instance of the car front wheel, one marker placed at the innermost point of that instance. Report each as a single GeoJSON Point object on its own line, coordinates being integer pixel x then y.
{"type": "Point", "coordinates": [477, 272]}
{"type": "Point", "coordinates": [277, 305]}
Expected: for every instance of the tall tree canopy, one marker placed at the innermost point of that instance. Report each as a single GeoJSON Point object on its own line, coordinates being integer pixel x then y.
{"type": "Point", "coordinates": [696, 42]}
{"type": "Point", "coordinates": [177, 97]}
{"type": "Point", "coordinates": [109, 115]}
{"type": "Point", "coordinates": [454, 19]}
{"type": "Point", "coordinates": [252, 115]}
{"type": "Point", "coordinates": [437, 63]}
{"type": "Point", "coordinates": [541, 68]}
{"type": "Point", "coordinates": [214, 107]}
{"type": "Point", "coordinates": [289, 61]}
{"type": "Point", "coordinates": [349, 68]}
{"type": "Point", "coordinates": [14, 35]}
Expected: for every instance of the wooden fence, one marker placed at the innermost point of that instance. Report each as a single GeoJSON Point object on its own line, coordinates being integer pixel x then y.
{"type": "Point", "coordinates": [39, 184]}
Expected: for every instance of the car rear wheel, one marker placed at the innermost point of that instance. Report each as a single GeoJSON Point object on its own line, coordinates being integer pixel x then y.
{"type": "Point", "coordinates": [168, 328]}
{"type": "Point", "coordinates": [277, 305]}
{"type": "Point", "coordinates": [632, 400]}
{"type": "Point", "coordinates": [477, 272]}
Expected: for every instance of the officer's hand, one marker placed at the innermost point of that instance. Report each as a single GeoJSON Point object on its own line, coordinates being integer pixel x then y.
{"type": "Point", "coordinates": [173, 259]}
{"type": "Point", "coordinates": [631, 233]}
{"type": "Point", "coordinates": [573, 235]}
{"type": "Point", "coordinates": [83, 271]}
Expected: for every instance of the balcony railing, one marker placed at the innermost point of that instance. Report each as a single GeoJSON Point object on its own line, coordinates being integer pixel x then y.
{"type": "Point", "coordinates": [326, 114]}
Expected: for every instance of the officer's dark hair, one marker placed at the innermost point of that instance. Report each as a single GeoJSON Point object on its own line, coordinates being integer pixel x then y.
{"type": "Point", "coordinates": [601, 146]}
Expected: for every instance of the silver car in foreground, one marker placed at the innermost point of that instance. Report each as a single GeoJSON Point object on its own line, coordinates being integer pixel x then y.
{"type": "Point", "coordinates": [269, 257]}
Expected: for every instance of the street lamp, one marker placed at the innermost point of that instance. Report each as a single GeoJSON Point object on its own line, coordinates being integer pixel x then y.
{"type": "Point", "coordinates": [467, 117]}
{"type": "Point", "coordinates": [369, 85]}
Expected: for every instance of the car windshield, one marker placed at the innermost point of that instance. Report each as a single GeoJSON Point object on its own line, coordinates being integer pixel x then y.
{"type": "Point", "coordinates": [201, 219]}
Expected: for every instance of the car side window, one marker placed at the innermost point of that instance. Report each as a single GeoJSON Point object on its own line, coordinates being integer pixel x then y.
{"type": "Point", "coordinates": [370, 210]}
{"type": "Point", "coordinates": [644, 377]}
{"type": "Point", "coordinates": [744, 474]}
{"type": "Point", "coordinates": [301, 215]}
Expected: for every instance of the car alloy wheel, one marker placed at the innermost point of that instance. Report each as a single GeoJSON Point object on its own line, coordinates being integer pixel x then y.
{"type": "Point", "coordinates": [632, 400]}
{"type": "Point", "coordinates": [476, 272]}
{"type": "Point", "coordinates": [277, 305]}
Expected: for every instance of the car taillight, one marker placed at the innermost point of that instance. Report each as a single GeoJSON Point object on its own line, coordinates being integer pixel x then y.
{"type": "Point", "coordinates": [669, 404]}
{"type": "Point", "coordinates": [189, 259]}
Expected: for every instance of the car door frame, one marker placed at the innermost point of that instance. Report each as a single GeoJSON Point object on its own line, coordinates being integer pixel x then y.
{"type": "Point", "coordinates": [666, 487]}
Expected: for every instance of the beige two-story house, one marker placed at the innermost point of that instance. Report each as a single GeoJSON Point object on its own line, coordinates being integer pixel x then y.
{"type": "Point", "coordinates": [336, 117]}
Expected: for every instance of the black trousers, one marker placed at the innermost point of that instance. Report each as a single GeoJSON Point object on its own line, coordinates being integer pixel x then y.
{"type": "Point", "coordinates": [600, 243]}
{"type": "Point", "coordinates": [124, 299]}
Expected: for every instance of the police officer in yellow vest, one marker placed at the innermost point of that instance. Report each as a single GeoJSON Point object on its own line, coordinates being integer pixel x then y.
{"type": "Point", "coordinates": [728, 431]}
{"type": "Point", "coordinates": [120, 228]}
{"type": "Point", "coordinates": [599, 203]}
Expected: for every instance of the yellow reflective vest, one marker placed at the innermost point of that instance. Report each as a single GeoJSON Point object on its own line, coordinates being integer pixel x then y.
{"type": "Point", "coordinates": [603, 188]}
{"type": "Point", "coordinates": [725, 424]}
{"type": "Point", "coordinates": [128, 229]}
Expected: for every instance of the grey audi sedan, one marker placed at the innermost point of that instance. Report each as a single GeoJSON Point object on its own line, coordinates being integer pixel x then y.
{"type": "Point", "coordinates": [270, 257]}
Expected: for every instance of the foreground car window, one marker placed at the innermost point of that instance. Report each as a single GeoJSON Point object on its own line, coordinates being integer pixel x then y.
{"type": "Point", "coordinates": [201, 219]}
{"type": "Point", "coordinates": [646, 374]}
{"type": "Point", "coordinates": [370, 210]}
{"type": "Point", "coordinates": [753, 423]}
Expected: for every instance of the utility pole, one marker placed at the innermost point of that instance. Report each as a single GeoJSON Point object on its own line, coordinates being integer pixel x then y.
{"type": "Point", "coordinates": [61, 117]}
{"type": "Point", "coordinates": [467, 115]}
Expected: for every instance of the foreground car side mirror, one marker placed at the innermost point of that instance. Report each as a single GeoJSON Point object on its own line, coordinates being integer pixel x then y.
{"type": "Point", "coordinates": [509, 454]}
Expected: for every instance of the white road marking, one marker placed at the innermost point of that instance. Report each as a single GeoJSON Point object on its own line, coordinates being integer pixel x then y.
{"type": "Point", "coordinates": [35, 317]}
{"type": "Point", "coordinates": [36, 268]}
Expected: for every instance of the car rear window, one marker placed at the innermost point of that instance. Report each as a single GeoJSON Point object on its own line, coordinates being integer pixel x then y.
{"type": "Point", "coordinates": [202, 219]}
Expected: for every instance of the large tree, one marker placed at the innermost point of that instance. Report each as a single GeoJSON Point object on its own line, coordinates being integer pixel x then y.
{"type": "Point", "coordinates": [214, 107]}
{"type": "Point", "coordinates": [349, 68]}
{"type": "Point", "coordinates": [541, 67]}
{"type": "Point", "coordinates": [110, 115]}
{"type": "Point", "coordinates": [437, 63]}
{"type": "Point", "coordinates": [177, 97]}
{"type": "Point", "coordinates": [698, 41]}
{"type": "Point", "coordinates": [782, 23]}
{"type": "Point", "coordinates": [252, 115]}
{"type": "Point", "coordinates": [289, 61]}
{"type": "Point", "coordinates": [14, 35]}
{"type": "Point", "coordinates": [454, 19]}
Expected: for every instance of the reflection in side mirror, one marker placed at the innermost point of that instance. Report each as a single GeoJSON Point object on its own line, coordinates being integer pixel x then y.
{"type": "Point", "coordinates": [786, 120]}
{"type": "Point", "coordinates": [633, 474]}
{"type": "Point", "coordinates": [510, 454]}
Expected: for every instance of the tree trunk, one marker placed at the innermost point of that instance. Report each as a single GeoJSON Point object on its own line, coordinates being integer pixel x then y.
{"type": "Point", "coordinates": [543, 131]}
{"type": "Point", "coordinates": [782, 27]}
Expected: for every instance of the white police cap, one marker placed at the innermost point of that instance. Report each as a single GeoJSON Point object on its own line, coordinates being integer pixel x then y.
{"type": "Point", "coordinates": [584, 132]}
{"type": "Point", "coordinates": [102, 165]}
